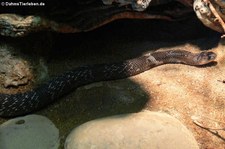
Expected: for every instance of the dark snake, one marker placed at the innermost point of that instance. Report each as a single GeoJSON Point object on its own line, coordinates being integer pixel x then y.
{"type": "Point", "coordinates": [12, 105]}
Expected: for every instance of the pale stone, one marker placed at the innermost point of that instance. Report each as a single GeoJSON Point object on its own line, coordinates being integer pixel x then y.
{"type": "Point", "coordinates": [29, 132]}
{"type": "Point", "coordinates": [144, 130]}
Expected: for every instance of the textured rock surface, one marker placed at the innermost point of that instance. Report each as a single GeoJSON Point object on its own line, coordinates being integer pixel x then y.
{"type": "Point", "coordinates": [77, 16]}
{"type": "Point", "coordinates": [15, 69]}
{"type": "Point", "coordinates": [131, 131]}
{"type": "Point", "coordinates": [29, 132]}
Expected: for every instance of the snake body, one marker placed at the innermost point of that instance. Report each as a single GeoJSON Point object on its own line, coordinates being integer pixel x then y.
{"type": "Point", "coordinates": [12, 105]}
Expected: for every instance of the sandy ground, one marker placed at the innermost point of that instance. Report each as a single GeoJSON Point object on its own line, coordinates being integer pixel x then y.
{"type": "Point", "coordinates": [188, 93]}
{"type": "Point", "coordinates": [185, 92]}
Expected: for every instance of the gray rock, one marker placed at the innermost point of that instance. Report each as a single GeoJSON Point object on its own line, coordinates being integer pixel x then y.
{"type": "Point", "coordinates": [29, 132]}
{"type": "Point", "coordinates": [144, 130]}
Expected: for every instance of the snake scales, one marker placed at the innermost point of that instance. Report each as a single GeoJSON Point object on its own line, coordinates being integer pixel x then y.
{"type": "Point", "coordinates": [12, 105]}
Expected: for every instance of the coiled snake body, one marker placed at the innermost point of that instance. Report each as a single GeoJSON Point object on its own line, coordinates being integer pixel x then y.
{"type": "Point", "coordinates": [22, 103]}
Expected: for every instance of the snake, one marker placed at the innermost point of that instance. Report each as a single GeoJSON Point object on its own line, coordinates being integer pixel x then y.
{"type": "Point", "coordinates": [18, 104]}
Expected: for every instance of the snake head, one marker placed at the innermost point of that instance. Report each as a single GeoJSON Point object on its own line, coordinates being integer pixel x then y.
{"type": "Point", "coordinates": [205, 57]}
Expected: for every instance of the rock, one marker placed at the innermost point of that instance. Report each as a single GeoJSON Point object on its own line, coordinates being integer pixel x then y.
{"type": "Point", "coordinates": [131, 131]}
{"type": "Point", "coordinates": [15, 69]}
{"type": "Point", "coordinates": [29, 132]}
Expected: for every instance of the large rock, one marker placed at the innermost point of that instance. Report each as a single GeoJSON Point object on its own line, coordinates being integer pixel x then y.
{"type": "Point", "coordinates": [145, 130]}
{"type": "Point", "coordinates": [29, 132]}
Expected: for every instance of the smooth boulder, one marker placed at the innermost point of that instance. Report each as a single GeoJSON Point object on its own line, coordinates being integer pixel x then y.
{"type": "Point", "coordinates": [144, 130]}
{"type": "Point", "coordinates": [29, 132]}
